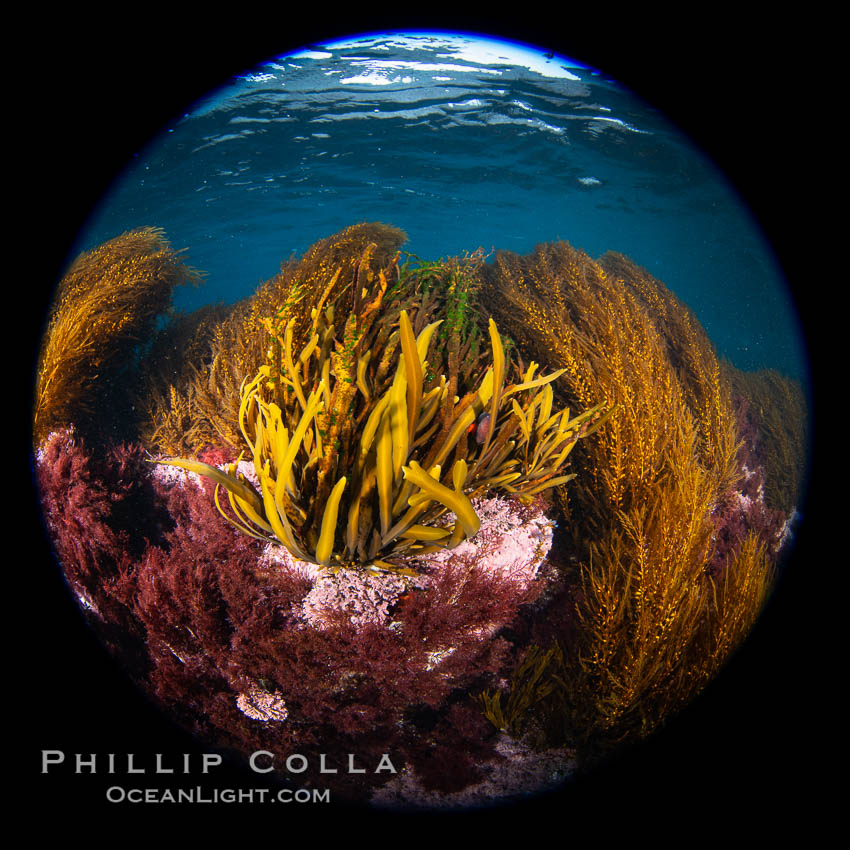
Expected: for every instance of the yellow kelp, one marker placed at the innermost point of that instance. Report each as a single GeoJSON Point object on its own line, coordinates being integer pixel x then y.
{"type": "Point", "coordinates": [655, 623]}
{"type": "Point", "coordinates": [197, 404]}
{"type": "Point", "coordinates": [359, 458]}
{"type": "Point", "coordinates": [105, 305]}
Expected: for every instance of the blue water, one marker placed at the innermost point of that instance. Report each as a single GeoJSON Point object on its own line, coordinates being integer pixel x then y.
{"type": "Point", "coordinates": [462, 143]}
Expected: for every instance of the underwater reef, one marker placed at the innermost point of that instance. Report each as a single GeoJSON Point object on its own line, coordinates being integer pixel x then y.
{"type": "Point", "coordinates": [495, 517]}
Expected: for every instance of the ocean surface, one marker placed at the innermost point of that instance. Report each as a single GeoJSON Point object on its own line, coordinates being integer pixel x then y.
{"type": "Point", "coordinates": [463, 142]}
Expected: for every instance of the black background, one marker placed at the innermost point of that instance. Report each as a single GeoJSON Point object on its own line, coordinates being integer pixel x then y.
{"type": "Point", "coordinates": [96, 89]}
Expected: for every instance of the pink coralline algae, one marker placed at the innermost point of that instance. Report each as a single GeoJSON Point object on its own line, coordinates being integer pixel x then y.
{"type": "Point", "coordinates": [512, 543]}
{"type": "Point", "coordinates": [519, 771]}
{"type": "Point", "coordinates": [262, 705]}
{"type": "Point", "coordinates": [361, 596]}
{"type": "Point", "coordinates": [509, 548]}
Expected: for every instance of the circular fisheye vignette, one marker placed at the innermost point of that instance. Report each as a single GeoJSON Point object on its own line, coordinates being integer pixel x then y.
{"type": "Point", "coordinates": [260, 698]}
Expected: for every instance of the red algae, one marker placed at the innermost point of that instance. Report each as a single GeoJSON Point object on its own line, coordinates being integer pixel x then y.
{"type": "Point", "coordinates": [253, 650]}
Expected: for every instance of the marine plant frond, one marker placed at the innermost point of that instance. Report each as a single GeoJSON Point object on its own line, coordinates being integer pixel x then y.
{"type": "Point", "coordinates": [105, 308]}
{"type": "Point", "coordinates": [535, 679]}
{"type": "Point", "coordinates": [366, 458]}
{"type": "Point", "coordinates": [775, 407]}
{"type": "Point", "coordinates": [655, 621]}
{"type": "Point", "coordinates": [246, 337]}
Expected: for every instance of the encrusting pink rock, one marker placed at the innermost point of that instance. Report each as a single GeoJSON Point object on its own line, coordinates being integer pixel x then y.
{"type": "Point", "coordinates": [262, 705]}
{"type": "Point", "coordinates": [513, 540]}
{"type": "Point", "coordinates": [510, 546]}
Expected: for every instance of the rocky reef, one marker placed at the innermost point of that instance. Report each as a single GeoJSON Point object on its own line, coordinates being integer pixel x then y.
{"type": "Point", "coordinates": [494, 518]}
